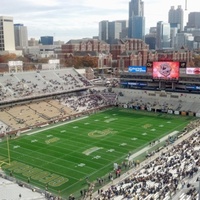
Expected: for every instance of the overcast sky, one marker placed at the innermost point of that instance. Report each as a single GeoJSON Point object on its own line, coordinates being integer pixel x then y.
{"type": "Point", "coordinates": [75, 19]}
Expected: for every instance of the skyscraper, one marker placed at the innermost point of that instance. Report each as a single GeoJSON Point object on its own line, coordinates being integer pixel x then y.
{"type": "Point", "coordinates": [7, 39]}
{"type": "Point", "coordinates": [136, 19]}
{"type": "Point", "coordinates": [21, 35]}
{"type": "Point", "coordinates": [136, 8]}
{"type": "Point", "coordinates": [114, 30]}
{"type": "Point", "coordinates": [175, 17]}
{"type": "Point", "coordinates": [163, 35]}
{"type": "Point", "coordinates": [194, 20]}
{"type": "Point", "coordinates": [103, 30]}
{"type": "Point", "coordinates": [109, 31]}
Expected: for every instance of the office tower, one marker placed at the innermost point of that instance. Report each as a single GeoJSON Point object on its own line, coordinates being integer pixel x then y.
{"type": "Point", "coordinates": [173, 33]}
{"type": "Point", "coordinates": [103, 30]}
{"type": "Point", "coordinates": [153, 30]}
{"type": "Point", "coordinates": [7, 39]}
{"type": "Point", "coordinates": [110, 31]}
{"type": "Point", "coordinates": [46, 40]}
{"type": "Point", "coordinates": [150, 39]}
{"type": "Point", "coordinates": [136, 8]}
{"type": "Point", "coordinates": [163, 35]}
{"type": "Point", "coordinates": [184, 40]}
{"type": "Point", "coordinates": [21, 35]}
{"type": "Point", "coordinates": [194, 20]}
{"type": "Point", "coordinates": [136, 19]}
{"type": "Point", "coordinates": [114, 30]}
{"type": "Point", "coordinates": [175, 17]}
{"type": "Point", "coordinates": [124, 28]}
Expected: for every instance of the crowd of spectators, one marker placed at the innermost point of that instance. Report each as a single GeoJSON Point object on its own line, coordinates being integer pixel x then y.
{"type": "Point", "coordinates": [162, 177]}
{"type": "Point", "coordinates": [28, 84]}
{"type": "Point", "coordinates": [84, 101]}
{"type": "Point", "coordinates": [35, 113]}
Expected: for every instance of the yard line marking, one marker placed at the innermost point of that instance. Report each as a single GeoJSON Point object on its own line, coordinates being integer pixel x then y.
{"type": "Point", "coordinates": [49, 136]}
{"type": "Point", "coordinates": [133, 138]}
{"type": "Point", "coordinates": [123, 144]}
{"type": "Point", "coordinates": [33, 141]}
{"type": "Point", "coordinates": [110, 150]}
{"type": "Point", "coordinates": [44, 129]}
{"type": "Point", "coordinates": [15, 147]}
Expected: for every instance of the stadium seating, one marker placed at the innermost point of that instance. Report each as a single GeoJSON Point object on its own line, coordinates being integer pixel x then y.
{"type": "Point", "coordinates": [80, 102]}
{"type": "Point", "coordinates": [159, 100]}
{"type": "Point", "coordinates": [29, 84]}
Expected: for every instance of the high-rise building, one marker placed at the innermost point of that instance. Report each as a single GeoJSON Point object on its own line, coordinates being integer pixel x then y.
{"type": "Point", "coordinates": [124, 28]}
{"type": "Point", "coordinates": [175, 16]}
{"type": "Point", "coordinates": [193, 20]}
{"type": "Point", "coordinates": [114, 30]}
{"type": "Point", "coordinates": [136, 8]}
{"type": "Point", "coordinates": [136, 27]}
{"type": "Point", "coordinates": [173, 33]}
{"type": "Point", "coordinates": [103, 30]}
{"type": "Point", "coordinates": [110, 31]}
{"type": "Point", "coordinates": [163, 35]}
{"type": "Point", "coordinates": [184, 40]}
{"type": "Point", "coordinates": [150, 39]}
{"type": "Point", "coordinates": [46, 40]}
{"type": "Point", "coordinates": [21, 35]}
{"type": "Point", "coordinates": [7, 39]}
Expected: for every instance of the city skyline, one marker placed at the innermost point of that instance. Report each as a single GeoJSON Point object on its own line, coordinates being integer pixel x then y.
{"type": "Point", "coordinates": [70, 19]}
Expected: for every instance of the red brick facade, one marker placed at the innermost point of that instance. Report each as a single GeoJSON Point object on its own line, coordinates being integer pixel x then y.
{"type": "Point", "coordinates": [123, 53]}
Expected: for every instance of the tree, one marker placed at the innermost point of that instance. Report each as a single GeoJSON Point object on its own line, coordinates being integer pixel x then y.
{"type": "Point", "coordinates": [7, 57]}
{"type": "Point", "coordinates": [81, 61]}
{"type": "Point", "coordinates": [196, 61]}
{"type": "Point", "coordinates": [89, 61]}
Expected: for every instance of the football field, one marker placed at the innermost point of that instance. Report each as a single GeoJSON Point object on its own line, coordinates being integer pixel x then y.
{"type": "Point", "coordinates": [62, 157]}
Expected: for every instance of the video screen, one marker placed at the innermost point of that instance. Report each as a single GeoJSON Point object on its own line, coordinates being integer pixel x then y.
{"type": "Point", "coordinates": [166, 70]}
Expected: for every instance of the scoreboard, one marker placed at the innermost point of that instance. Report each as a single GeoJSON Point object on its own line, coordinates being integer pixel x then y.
{"type": "Point", "coordinates": [166, 70]}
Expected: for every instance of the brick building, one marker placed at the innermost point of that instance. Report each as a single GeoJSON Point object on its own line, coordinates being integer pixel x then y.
{"type": "Point", "coordinates": [129, 52]}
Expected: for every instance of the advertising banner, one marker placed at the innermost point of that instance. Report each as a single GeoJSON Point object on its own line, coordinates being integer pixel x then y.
{"type": "Point", "coordinates": [137, 84]}
{"type": "Point", "coordinates": [170, 111]}
{"type": "Point", "coordinates": [176, 112]}
{"type": "Point", "coordinates": [197, 114]}
{"type": "Point", "coordinates": [137, 69]}
{"type": "Point", "coordinates": [194, 70]}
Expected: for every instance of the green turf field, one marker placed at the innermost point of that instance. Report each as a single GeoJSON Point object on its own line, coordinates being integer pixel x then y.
{"type": "Point", "coordinates": [62, 157]}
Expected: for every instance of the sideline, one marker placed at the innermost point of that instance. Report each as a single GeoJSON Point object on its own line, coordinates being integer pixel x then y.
{"type": "Point", "coordinates": [145, 149]}
{"type": "Point", "coordinates": [44, 129]}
